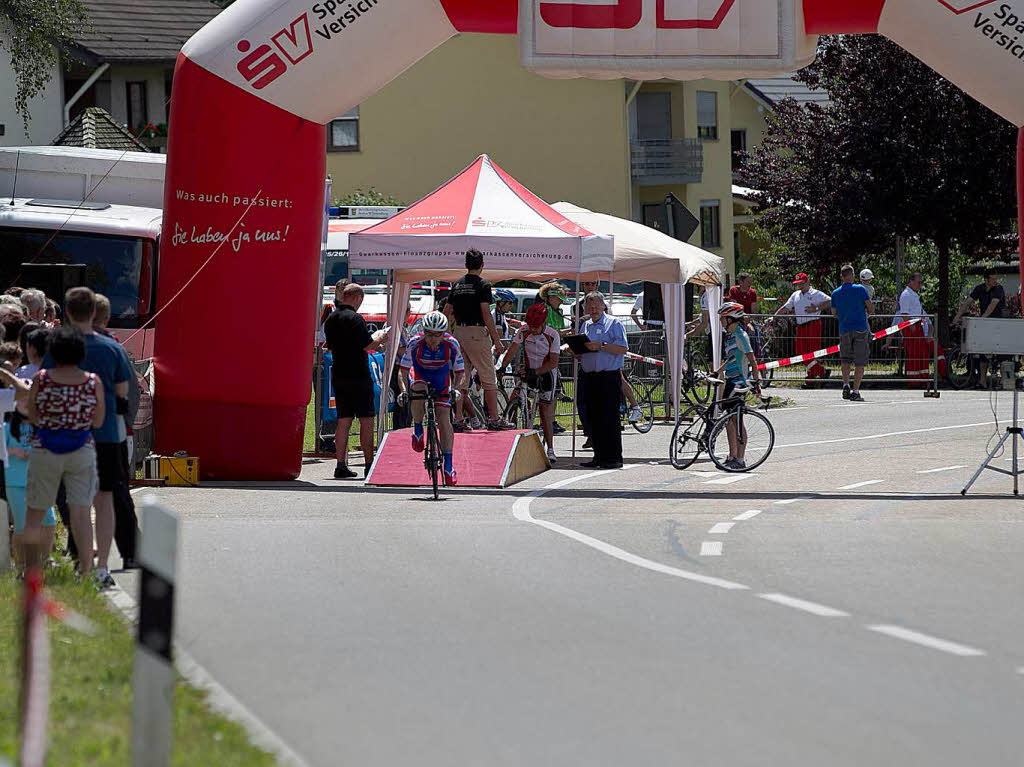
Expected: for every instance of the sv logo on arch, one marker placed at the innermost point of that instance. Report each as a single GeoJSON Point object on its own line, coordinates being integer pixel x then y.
{"type": "Point", "coordinates": [262, 64]}
{"type": "Point", "coordinates": [624, 14]}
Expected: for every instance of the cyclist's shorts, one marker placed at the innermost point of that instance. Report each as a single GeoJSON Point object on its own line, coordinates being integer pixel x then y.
{"type": "Point", "coordinates": [442, 390]}
{"type": "Point", "coordinates": [730, 392]}
{"type": "Point", "coordinates": [547, 386]}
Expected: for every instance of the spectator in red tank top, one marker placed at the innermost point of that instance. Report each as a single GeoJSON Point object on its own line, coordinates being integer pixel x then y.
{"type": "Point", "coordinates": [743, 293]}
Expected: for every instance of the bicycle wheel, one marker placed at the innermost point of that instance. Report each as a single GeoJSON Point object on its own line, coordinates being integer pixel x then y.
{"type": "Point", "coordinates": [687, 442]}
{"type": "Point", "coordinates": [959, 368]}
{"type": "Point", "coordinates": [432, 460]}
{"type": "Point", "coordinates": [510, 414]}
{"type": "Point", "coordinates": [700, 390]}
{"type": "Point", "coordinates": [758, 444]}
{"type": "Point", "coordinates": [646, 405]}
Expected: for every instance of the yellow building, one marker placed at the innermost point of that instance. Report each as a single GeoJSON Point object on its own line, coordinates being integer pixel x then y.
{"type": "Point", "coordinates": [609, 145]}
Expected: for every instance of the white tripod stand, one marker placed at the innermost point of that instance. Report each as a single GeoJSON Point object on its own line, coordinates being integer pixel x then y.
{"type": "Point", "coordinates": [1013, 433]}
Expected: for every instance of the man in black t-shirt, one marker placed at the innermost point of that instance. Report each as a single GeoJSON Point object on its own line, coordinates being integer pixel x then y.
{"type": "Point", "coordinates": [989, 298]}
{"type": "Point", "coordinates": [469, 304]}
{"type": "Point", "coordinates": [349, 341]}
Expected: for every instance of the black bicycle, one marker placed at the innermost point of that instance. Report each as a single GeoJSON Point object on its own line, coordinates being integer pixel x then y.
{"type": "Point", "coordinates": [706, 429]}
{"type": "Point", "coordinates": [433, 458]}
{"type": "Point", "coordinates": [644, 396]}
{"type": "Point", "coordinates": [694, 379]}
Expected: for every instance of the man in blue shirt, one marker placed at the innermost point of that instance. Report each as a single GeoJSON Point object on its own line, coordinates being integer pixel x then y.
{"type": "Point", "coordinates": [600, 379]}
{"type": "Point", "coordinates": [851, 304]}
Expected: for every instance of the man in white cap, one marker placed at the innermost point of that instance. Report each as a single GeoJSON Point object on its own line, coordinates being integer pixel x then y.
{"type": "Point", "coordinates": [866, 276]}
{"type": "Point", "coordinates": [806, 303]}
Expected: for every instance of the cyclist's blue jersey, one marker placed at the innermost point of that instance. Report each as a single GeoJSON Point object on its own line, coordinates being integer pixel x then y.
{"type": "Point", "coordinates": [737, 346]}
{"type": "Point", "coordinates": [435, 366]}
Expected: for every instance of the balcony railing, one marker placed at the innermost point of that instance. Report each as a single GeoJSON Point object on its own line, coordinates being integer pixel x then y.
{"type": "Point", "coordinates": [667, 161]}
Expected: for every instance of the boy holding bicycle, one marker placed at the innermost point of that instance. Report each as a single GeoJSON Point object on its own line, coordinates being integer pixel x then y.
{"type": "Point", "coordinates": [542, 345]}
{"type": "Point", "coordinates": [736, 353]}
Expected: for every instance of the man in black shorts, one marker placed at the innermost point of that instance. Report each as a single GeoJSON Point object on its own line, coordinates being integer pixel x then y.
{"type": "Point", "coordinates": [349, 341]}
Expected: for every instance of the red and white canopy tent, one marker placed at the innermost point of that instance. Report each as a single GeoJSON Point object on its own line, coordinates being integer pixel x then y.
{"type": "Point", "coordinates": [519, 235]}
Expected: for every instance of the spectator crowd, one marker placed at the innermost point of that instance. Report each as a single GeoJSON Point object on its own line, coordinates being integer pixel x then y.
{"type": "Point", "coordinates": [68, 399]}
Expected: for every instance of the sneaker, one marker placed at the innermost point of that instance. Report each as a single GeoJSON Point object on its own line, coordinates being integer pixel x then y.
{"type": "Point", "coordinates": [855, 397]}
{"type": "Point", "coordinates": [450, 477]}
{"type": "Point", "coordinates": [499, 425]}
{"type": "Point", "coordinates": [460, 427]}
{"type": "Point", "coordinates": [103, 579]}
{"type": "Point", "coordinates": [475, 424]}
{"type": "Point", "coordinates": [635, 415]}
{"type": "Point", "coordinates": [739, 464]}
{"type": "Point", "coordinates": [341, 471]}
{"type": "Point", "coordinates": [552, 458]}
{"type": "Point", "coordinates": [846, 391]}
{"type": "Point", "coordinates": [557, 428]}
{"type": "Point", "coordinates": [417, 442]}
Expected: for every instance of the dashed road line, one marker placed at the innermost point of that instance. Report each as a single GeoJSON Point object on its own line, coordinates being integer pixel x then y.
{"type": "Point", "coordinates": [898, 632]}
{"type": "Point", "coordinates": [746, 515]}
{"type": "Point", "coordinates": [787, 501]}
{"type": "Point", "coordinates": [942, 468]}
{"type": "Point", "coordinates": [865, 483]}
{"type": "Point", "coordinates": [721, 528]}
{"type": "Point", "coordinates": [730, 479]}
{"type": "Point", "coordinates": [711, 548]}
{"type": "Point", "coordinates": [802, 604]}
{"type": "Point", "coordinates": [886, 434]}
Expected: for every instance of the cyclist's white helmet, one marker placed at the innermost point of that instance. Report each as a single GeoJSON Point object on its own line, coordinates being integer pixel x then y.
{"type": "Point", "coordinates": [731, 309]}
{"type": "Point", "coordinates": [866, 274]}
{"type": "Point", "coordinates": [435, 321]}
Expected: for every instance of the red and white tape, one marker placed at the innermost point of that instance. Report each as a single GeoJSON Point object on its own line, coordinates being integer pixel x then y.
{"type": "Point", "coordinates": [831, 349]}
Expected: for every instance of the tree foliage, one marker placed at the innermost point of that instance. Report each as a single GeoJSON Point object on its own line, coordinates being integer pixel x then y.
{"type": "Point", "coordinates": [35, 30]}
{"type": "Point", "coordinates": [898, 152]}
{"type": "Point", "coordinates": [367, 197]}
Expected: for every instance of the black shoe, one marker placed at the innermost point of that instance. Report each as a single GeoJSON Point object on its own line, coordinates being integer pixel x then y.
{"type": "Point", "coordinates": [846, 391]}
{"type": "Point", "coordinates": [855, 397]}
{"type": "Point", "coordinates": [129, 564]}
{"type": "Point", "coordinates": [341, 471]}
{"type": "Point", "coordinates": [827, 373]}
{"type": "Point", "coordinates": [588, 445]}
{"type": "Point", "coordinates": [611, 465]}
{"type": "Point", "coordinates": [590, 465]}
{"type": "Point", "coordinates": [558, 428]}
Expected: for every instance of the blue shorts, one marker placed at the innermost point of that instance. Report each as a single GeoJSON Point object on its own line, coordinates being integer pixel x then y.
{"type": "Point", "coordinates": [19, 510]}
{"type": "Point", "coordinates": [440, 385]}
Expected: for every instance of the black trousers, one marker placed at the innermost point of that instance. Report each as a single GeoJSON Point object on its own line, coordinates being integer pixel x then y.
{"type": "Point", "coordinates": [581, 402]}
{"type": "Point", "coordinates": [126, 524]}
{"type": "Point", "coordinates": [603, 392]}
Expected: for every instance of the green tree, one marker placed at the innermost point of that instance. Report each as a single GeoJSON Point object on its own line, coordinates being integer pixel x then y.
{"type": "Point", "coordinates": [35, 31]}
{"type": "Point", "coordinates": [898, 152]}
{"type": "Point", "coordinates": [366, 197]}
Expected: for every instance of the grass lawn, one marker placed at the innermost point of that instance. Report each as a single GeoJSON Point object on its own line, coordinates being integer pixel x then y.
{"type": "Point", "coordinates": [91, 700]}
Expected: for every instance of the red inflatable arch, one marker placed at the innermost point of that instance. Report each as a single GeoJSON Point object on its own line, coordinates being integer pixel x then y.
{"type": "Point", "coordinates": [246, 158]}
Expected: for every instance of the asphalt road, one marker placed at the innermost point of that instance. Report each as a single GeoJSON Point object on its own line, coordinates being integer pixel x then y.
{"type": "Point", "coordinates": [843, 605]}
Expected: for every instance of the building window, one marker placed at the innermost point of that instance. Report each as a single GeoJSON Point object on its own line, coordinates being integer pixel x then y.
{"type": "Point", "coordinates": [707, 115]}
{"type": "Point", "coordinates": [137, 108]}
{"type": "Point", "coordinates": [710, 224]}
{"type": "Point", "coordinates": [654, 116]}
{"type": "Point", "coordinates": [739, 145]}
{"type": "Point", "coordinates": [343, 133]}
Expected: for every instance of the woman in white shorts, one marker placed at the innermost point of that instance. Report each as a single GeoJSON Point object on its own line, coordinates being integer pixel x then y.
{"type": "Point", "coordinates": [66, 404]}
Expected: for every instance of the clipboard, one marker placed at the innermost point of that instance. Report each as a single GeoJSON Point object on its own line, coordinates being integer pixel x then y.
{"type": "Point", "coordinates": [577, 343]}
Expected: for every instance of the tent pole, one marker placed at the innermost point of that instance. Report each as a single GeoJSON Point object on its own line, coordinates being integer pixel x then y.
{"type": "Point", "coordinates": [575, 366]}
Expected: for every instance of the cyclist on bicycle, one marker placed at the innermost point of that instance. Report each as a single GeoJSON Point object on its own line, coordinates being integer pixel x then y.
{"type": "Point", "coordinates": [736, 353]}
{"type": "Point", "coordinates": [542, 345]}
{"type": "Point", "coordinates": [433, 359]}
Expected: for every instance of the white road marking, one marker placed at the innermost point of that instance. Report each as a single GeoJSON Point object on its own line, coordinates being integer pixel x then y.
{"type": "Point", "coordinates": [802, 604]}
{"type": "Point", "coordinates": [730, 479]}
{"type": "Point", "coordinates": [711, 549]}
{"type": "Point", "coordinates": [746, 515]}
{"type": "Point", "coordinates": [706, 473]}
{"type": "Point", "coordinates": [721, 528]}
{"type": "Point", "coordinates": [944, 468]}
{"type": "Point", "coordinates": [882, 436]}
{"type": "Point", "coordinates": [865, 483]}
{"type": "Point", "coordinates": [521, 511]}
{"type": "Point", "coordinates": [924, 640]}
{"type": "Point", "coordinates": [788, 501]}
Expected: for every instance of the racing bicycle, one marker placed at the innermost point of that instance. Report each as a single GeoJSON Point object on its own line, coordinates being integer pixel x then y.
{"type": "Point", "coordinates": [704, 430]}
{"type": "Point", "coordinates": [433, 458]}
{"type": "Point", "coordinates": [643, 393]}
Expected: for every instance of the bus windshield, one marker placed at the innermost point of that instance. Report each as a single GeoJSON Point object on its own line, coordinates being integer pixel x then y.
{"type": "Point", "coordinates": [121, 268]}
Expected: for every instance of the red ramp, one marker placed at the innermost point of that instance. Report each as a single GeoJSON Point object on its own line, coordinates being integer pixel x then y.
{"type": "Point", "coordinates": [481, 459]}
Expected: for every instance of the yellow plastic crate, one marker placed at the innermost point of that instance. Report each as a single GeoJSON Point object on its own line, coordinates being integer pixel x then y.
{"type": "Point", "coordinates": [174, 470]}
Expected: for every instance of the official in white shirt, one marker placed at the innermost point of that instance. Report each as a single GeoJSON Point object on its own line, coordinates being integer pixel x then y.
{"type": "Point", "coordinates": [806, 304]}
{"type": "Point", "coordinates": [917, 338]}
